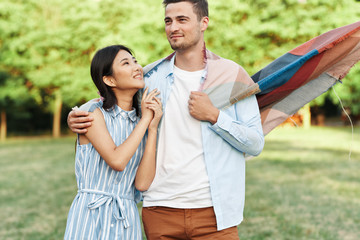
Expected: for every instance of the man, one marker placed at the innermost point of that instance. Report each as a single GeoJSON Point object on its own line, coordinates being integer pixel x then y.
{"type": "Point", "coordinates": [199, 188]}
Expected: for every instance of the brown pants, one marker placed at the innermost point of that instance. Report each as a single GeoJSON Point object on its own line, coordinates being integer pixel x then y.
{"type": "Point", "coordinates": [173, 223]}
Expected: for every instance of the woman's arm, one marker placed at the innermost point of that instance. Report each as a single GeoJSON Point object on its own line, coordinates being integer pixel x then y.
{"type": "Point", "coordinates": [147, 168]}
{"type": "Point", "coordinates": [117, 157]}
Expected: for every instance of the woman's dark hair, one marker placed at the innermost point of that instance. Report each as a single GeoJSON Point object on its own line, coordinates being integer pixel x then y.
{"type": "Point", "coordinates": [101, 65]}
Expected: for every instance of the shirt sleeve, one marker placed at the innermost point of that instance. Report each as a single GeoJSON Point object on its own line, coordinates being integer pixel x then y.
{"type": "Point", "coordinates": [244, 131]}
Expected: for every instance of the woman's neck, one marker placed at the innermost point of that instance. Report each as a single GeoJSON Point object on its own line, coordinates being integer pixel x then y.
{"type": "Point", "coordinates": [125, 99]}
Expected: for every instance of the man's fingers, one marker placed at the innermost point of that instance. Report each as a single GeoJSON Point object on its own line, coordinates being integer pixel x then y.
{"type": "Point", "coordinates": [85, 120]}
{"type": "Point", "coordinates": [191, 102]}
{"type": "Point", "coordinates": [77, 126]}
{"type": "Point", "coordinates": [197, 93]}
{"type": "Point", "coordinates": [80, 131]}
{"type": "Point", "coordinates": [79, 113]}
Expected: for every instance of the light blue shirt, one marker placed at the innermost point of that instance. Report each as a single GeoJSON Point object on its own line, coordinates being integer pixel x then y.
{"type": "Point", "coordinates": [238, 132]}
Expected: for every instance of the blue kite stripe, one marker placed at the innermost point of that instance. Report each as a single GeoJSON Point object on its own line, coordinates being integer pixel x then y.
{"type": "Point", "coordinates": [283, 75]}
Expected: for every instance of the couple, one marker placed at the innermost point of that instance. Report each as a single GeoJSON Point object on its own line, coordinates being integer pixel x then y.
{"type": "Point", "coordinates": [190, 173]}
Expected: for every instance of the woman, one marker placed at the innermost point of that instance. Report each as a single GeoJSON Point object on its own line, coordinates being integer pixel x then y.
{"type": "Point", "coordinates": [111, 163]}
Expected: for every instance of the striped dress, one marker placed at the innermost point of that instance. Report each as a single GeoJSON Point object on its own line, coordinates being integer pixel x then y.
{"type": "Point", "coordinates": [105, 205]}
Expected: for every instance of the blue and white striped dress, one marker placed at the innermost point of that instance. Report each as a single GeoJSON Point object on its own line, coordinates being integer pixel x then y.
{"type": "Point", "coordinates": [105, 206]}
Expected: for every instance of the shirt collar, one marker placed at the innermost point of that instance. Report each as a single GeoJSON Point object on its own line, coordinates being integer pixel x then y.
{"type": "Point", "coordinates": [171, 59]}
{"type": "Point", "coordinates": [116, 110]}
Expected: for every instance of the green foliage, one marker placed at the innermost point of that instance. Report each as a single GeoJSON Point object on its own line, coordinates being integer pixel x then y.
{"type": "Point", "coordinates": [48, 45]}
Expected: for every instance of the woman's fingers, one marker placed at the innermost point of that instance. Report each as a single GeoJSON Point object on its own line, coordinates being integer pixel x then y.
{"type": "Point", "coordinates": [145, 93]}
{"type": "Point", "coordinates": [152, 94]}
{"type": "Point", "coordinates": [158, 101]}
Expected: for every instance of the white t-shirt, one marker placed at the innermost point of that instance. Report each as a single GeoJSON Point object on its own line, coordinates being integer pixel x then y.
{"type": "Point", "coordinates": [181, 179]}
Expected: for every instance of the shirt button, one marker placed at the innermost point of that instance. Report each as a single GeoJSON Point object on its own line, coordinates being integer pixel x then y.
{"type": "Point", "coordinates": [112, 225]}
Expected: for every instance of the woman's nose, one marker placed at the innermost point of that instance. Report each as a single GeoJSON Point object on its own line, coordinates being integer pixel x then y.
{"type": "Point", "coordinates": [138, 67]}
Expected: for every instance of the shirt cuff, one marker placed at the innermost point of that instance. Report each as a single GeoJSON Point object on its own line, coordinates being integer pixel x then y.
{"type": "Point", "coordinates": [224, 122]}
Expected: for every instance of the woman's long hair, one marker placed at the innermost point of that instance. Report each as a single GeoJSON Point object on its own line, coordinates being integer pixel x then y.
{"type": "Point", "coordinates": [101, 65]}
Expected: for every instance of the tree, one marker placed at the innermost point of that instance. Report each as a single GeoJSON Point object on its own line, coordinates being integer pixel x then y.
{"type": "Point", "coordinates": [45, 51]}
{"type": "Point", "coordinates": [13, 94]}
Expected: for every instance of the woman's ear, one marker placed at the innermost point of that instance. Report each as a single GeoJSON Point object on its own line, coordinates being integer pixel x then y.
{"type": "Point", "coordinates": [109, 80]}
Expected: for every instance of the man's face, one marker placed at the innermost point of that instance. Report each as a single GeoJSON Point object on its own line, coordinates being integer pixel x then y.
{"type": "Point", "coordinates": [182, 27]}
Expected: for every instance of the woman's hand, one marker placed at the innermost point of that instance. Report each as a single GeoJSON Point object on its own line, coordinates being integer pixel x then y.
{"type": "Point", "coordinates": [148, 100]}
{"type": "Point", "coordinates": [156, 107]}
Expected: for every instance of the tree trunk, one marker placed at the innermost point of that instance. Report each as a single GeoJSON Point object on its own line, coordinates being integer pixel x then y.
{"type": "Point", "coordinates": [3, 126]}
{"type": "Point", "coordinates": [57, 116]}
{"type": "Point", "coordinates": [306, 116]}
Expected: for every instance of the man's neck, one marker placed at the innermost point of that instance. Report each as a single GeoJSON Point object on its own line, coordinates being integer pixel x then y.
{"type": "Point", "coordinates": [191, 59]}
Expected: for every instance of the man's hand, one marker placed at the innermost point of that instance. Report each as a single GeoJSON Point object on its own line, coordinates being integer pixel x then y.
{"type": "Point", "coordinates": [201, 108]}
{"type": "Point", "coordinates": [78, 121]}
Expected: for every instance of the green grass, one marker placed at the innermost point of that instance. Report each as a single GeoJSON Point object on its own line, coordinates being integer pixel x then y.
{"type": "Point", "coordinates": [303, 186]}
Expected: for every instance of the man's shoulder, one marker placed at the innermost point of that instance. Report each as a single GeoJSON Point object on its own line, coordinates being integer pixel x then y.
{"type": "Point", "coordinates": [154, 65]}
{"type": "Point", "coordinates": [214, 57]}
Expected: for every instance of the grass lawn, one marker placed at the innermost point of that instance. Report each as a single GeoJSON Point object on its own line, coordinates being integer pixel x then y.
{"type": "Point", "coordinates": [303, 186]}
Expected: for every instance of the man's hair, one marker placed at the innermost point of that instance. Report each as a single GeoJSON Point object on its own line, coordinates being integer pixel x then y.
{"type": "Point", "coordinates": [201, 8]}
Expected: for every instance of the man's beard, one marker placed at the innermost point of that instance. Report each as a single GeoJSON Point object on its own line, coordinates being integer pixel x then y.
{"type": "Point", "coordinates": [182, 46]}
{"type": "Point", "coordinates": [177, 47]}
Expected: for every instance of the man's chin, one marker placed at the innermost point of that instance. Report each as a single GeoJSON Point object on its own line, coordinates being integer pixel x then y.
{"type": "Point", "coordinates": [177, 47]}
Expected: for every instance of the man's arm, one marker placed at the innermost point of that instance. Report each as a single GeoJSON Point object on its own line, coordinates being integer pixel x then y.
{"type": "Point", "coordinates": [78, 121]}
{"type": "Point", "coordinates": [244, 133]}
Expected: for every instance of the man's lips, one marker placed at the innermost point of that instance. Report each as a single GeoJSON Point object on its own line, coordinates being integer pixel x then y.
{"type": "Point", "coordinates": [176, 36]}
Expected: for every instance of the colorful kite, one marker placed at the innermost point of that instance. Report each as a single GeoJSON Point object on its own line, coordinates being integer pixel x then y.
{"type": "Point", "coordinates": [299, 76]}
{"type": "Point", "coordinates": [292, 80]}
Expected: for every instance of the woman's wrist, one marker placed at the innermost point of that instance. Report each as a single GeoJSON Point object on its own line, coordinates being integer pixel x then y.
{"type": "Point", "coordinates": [146, 119]}
{"type": "Point", "coordinates": [153, 129]}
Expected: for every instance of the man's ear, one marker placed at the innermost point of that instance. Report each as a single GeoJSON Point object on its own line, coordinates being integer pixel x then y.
{"type": "Point", "coordinates": [109, 80]}
{"type": "Point", "coordinates": [204, 23]}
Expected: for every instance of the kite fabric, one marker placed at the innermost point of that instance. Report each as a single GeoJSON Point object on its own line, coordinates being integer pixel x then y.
{"type": "Point", "coordinates": [302, 74]}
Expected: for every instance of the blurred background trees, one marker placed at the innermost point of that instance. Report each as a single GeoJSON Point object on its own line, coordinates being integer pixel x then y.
{"type": "Point", "coordinates": [46, 47]}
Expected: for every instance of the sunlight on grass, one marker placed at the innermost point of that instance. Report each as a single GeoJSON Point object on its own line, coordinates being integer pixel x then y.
{"type": "Point", "coordinates": [303, 186]}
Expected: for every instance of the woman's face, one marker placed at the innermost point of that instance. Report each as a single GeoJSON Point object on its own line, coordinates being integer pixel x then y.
{"type": "Point", "coordinates": [127, 73]}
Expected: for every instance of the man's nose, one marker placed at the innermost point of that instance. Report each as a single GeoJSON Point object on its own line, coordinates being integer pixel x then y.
{"type": "Point", "coordinates": [174, 26]}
